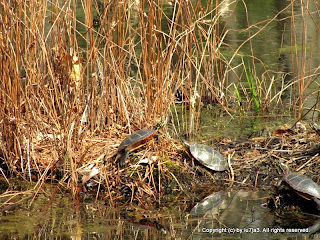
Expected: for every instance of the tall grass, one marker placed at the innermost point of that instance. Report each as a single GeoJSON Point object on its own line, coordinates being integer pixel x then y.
{"type": "Point", "coordinates": [65, 78]}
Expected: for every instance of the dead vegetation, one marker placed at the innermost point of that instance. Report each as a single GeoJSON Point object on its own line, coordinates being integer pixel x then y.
{"type": "Point", "coordinates": [72, 88]}
{"type": "Point", "coordinates": [152, 174]}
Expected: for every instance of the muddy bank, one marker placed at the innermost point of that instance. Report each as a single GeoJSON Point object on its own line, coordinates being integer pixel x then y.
{"type": "Point", "coordinates": [154, 172]}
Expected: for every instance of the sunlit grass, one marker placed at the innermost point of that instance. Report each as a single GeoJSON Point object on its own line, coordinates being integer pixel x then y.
{"type": "Point", "coordinates": [65, 78]}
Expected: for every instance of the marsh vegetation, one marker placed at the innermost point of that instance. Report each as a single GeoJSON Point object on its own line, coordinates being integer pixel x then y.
{"type": "Point", "coordinates": [77, 77]}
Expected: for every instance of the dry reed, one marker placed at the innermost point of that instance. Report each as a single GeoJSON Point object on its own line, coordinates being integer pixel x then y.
{"type": "Point", "coordinates": [66, 79]}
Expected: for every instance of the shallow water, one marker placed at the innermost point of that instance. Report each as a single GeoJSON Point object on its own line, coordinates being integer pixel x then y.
{"type": "Point", "coordinates": [220, 215]}
{"type": "Point", "coordinates": [223, 215]}
{"type": "Point", "coordinates": [215, 124]}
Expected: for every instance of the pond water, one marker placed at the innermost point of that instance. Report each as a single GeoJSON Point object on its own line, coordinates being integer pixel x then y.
{"type": "Point", "coordinates": [214, 123]}
{"type": "Point", "coordinates": [220, 215]}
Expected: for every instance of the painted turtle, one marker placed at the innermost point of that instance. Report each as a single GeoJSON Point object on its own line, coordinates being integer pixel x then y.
{"type": "Point", "coordinates": [302, 184]}
{"type": "Point", "coordinates": [315, 126]}
{"type": "Point", "coordinates": [134, 141]}
{"type": "Point", "coordinates": [208, 156]}
{"type": "Point", "coordinates": [208, 203]}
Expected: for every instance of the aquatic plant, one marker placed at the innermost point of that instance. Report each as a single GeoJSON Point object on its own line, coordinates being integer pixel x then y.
{"type": "Point", "coordinates": [252, 88]}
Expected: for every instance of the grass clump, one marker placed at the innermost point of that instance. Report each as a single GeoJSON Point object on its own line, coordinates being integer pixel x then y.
{"type": "Point", "coordinates": [76, 77]}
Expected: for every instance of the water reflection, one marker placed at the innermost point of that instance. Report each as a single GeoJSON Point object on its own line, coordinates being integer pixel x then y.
{"type": "Point", "coordinates": [254, 29]}
{"type": "Point", "coordinates": [222, 214]}
{"type": "Point", "coordinates": [243, 214]}
{"type": "Point", "coordinates": [214, 124]}
{"type": "Point", "coordinates": [209, 203]}
{"type": "Point", "coordinates": [58, 216]}
{"type": "Point", "coordinates": [237, 213]}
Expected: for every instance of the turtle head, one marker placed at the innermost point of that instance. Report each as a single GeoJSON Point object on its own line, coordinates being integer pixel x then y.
{"type": "Point", "coordinates": [185, 143]}
{"type": "Point", "coordinates": [284, 167]}
{"type": "Point", "coordinates": [161, 123]}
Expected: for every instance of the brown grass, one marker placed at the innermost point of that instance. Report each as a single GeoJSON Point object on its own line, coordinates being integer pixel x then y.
{"type": "Point", "coordinates": [72, 88]}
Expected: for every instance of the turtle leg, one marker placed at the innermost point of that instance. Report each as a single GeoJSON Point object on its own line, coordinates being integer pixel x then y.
{"type": "Point", "coordinates": [123, 158]}
{"type": "Point", "coordinates": [278, 184]}
{"type": "Point", "coordinates": [157, 138]}
{"type": "Point", "coordinates": [317, 201]}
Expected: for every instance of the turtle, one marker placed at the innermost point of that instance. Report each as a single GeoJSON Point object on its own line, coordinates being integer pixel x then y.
{"type": "Point", "coordinates": [207, 156]}
{"type": "Point", "coordinates": [134, 141]}
{"type": "Point", "coordinates": [303, 185]}
{"type": "Point", "coordinates": [315, 126]}
{"type": "Point", "coordinates": [208, 203]}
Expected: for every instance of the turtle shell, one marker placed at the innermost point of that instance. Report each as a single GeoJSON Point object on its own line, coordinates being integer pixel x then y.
{"type": "Point", "coordinates": [208, 203]}
{"type": "Point", "coordinates": [208, 156]}
{"type": "Point", "coordinates": [136, 139]}
{"type": "Point", "coordinates": [303, 184]}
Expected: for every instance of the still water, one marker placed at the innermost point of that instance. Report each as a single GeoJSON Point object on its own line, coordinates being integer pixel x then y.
{"type": "Point", "coordinates": [220, 215]}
